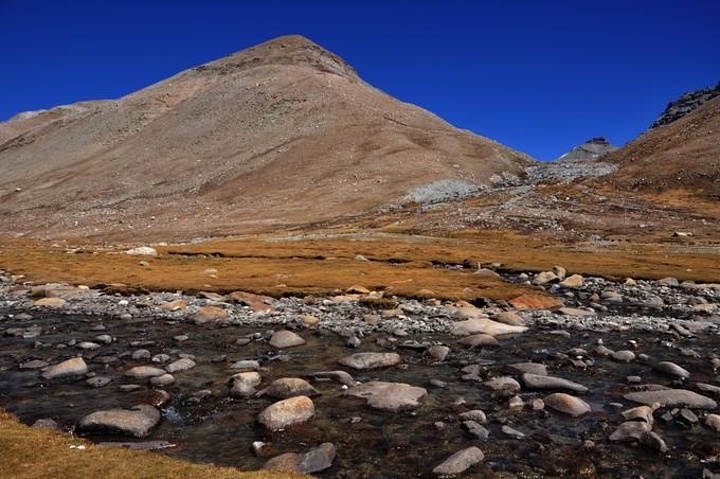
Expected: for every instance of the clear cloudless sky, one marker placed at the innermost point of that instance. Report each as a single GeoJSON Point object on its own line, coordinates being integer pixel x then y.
{"type": "Point", "coordinates": [539, 76]}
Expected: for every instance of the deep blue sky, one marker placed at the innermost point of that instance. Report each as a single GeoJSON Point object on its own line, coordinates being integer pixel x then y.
{"type": "Point", "coordinates": [539, 76]}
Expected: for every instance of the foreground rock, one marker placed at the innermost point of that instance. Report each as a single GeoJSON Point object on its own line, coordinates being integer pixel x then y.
{"type": "Point", "coordinates": [485, 326]}
{"type": "Point", "coordinates": [285, 339]}
{"type": "Point", "coordinates": [536, 381]}
{"type": "Point", "coordinates": [388, 396]}
{"type": "Point", "coordinates": [243, 384]}
{"type": "Point", "coordinates": [71, 367]}
{"type": "Point", "coordinates": [459, 462]}
{"type": "Point", "coordinates": [315, 460]}
{"type": "Point", "coordinates": [137, 421]}
{"type": "Point", "coordinates": [672, 397]}
{"type": "Point", "coordinates": [567, 404]}
{"type": "Point", "coordinates": [284, 388]}
{"type": "Point", "coordinates": [288, 412]}
{"type": "Point", "coordinates": [362, 361]}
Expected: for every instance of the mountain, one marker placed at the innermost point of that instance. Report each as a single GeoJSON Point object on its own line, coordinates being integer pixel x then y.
{"type": "Point", "coordinates": [590, 150]}
{"type": "Point", "coordinates": [284, 133]}
{"type": "Point", "coordinates": [683, 154]}
{"type": "Point", "coordinates": [685, 105]}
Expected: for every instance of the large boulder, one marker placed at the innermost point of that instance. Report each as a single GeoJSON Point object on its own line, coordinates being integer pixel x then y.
{"type": "Point", "coordinates": [288, 412]}
{"type": "Point", "coordinates": [362, 361]}
{"type": "Point", "coordinates": [672, 397]}
{"type": "Point", "coordinates": [388, 396]}
{"type": "Point", "coordinates": [70, 367]}
{"type": "Point", "coordinates": [137, 421]}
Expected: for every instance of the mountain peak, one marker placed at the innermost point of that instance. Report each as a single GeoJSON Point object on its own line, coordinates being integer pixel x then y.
{"type": "Point", "coordinates": [590, 150]}
{"type": "Point", "coordinates": [288, 50]}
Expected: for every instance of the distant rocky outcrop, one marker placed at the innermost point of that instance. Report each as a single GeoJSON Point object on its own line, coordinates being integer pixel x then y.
{"type": "Point", "coordinates": [686, 104]}
{"type": "Point", "coordinates": [590, 150]}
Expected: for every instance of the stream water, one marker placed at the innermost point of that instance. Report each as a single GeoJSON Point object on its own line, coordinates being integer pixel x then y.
{"type": "Point", "coordinates": [369, 443]}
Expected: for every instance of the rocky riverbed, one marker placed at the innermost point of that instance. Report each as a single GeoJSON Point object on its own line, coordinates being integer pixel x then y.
{"type": "Point", "coordinates": [610, 379]}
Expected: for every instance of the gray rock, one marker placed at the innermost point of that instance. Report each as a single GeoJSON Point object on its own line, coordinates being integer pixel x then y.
{"type": "Point", "coordinates": [162, 381]}
{"type": "Point", "coordinates": [288, 387]}
{"type": "Point", "coordinates": [140, 372]}
{"type": "Point", "coordinates": [567, 404]}
{"type": "Point", "coordinates": [71, 367]}
{"type": "Point", "coordinates": [532, 368]}
{"type": "Point", "coordinates": [180, 365]}
{"type": "Point", "coordinates": [476, 430]}
{"type": "Point", "coordinates": [285, 339]}
{"type": "Point", "coordinates": [362, 361]}
{"type": "Point", "coordinates": [388, 396]}
{"type": "Point", "coordinates": [98, 381]}
{"type": "Point", "coordinates": [536, 381]}
{"type": "Point", "coordinates": [476, 415]}
{"type": "Point", "coordinates": [672, 369]}
{"type": "Point", "coordinates": [338, 376]}
{"type": "Point", "coordinates": [137, 421]}
{"type": "Point", "coordinates": [243, 384]}
{"type": "Point", "coordinates": [459, 462]}
{"type": "Point", "coordinates": [288, 412]}
{"type": "Point", "coordinates": [438, 353]}
{"type": "Point", "coordinates": [672, 397]}
{"type": "Point", "coordinates": [479, 340]}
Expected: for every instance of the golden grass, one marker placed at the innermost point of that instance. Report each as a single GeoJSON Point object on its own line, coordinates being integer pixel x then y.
{"type": "Point", "coordinates": [27, 453]}
{"type": "Point", "coordinates": [399, 264]}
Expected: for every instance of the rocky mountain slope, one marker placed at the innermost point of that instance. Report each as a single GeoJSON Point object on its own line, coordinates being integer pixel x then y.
{"type": "Point", "coordinates": [681, 155]}
{"type": "Point", "coordinates": [685, 105]}
{"type": "Point", "coordinates": [590, 150]}
{"type": "Point", "coordinates": [279, 134]}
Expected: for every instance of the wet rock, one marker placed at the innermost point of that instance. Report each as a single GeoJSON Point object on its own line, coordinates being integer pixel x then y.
{"type": "Point", "coordinates": [180, 365]}
{"type": "Point", "coordinates": [285, 339]}
{"type": "Point", "coordinates": [623, 356]}
{"type": "Point", "coordinates": [475, 415]}
{"type": "Point", "coordinates": [640, 413]}
{"type": "Point", "coordinates": [438, 353]}
{"type": "Point", "coordinates": [532, 368]}
{"type": "Point", "coordinates": [208, 314]}
{"type": "Point", "coordinates": [245, 364]}
{"type": "Point", "coordinates": [485, 326]}
{"type": "Point", "coordinates": [288, 412]}
{"type": "Point", "coordinates": [162, 381]}
{"type": "Point", "coordinates": [687, 418]}
{"type": "Point", "coordinates": [338, 376]}
{"type": "Point", "coordinates": [653, 441]}
{"type": "Point", "coordinates": [33, 364]}
{"type": "Point", "coordinates": [713, 422]}
{"type": "Point", "coordinates": [104, 338]}
{"type": "Point", "coordinates": [71, 367]}
{"type": "Point", "coordinates": [479, 340]}
{"type": "Point", "coordinates": [512, 432]}
{"type": "Point", "coordinates": [137, 421]}
{"type": "Point", "coordinates": [672, 369]}
{"type": "Point", "coordinates": [630, 430]}
{"type": "Point", "coordinates": [315, 460]}
{"type": "Point", "coordinates": [567, 404]}
{"type": "Point", "coordinates": [388, 396]}
{"type": "Point", "coordinates": [672, 397]}
{"type": "Point", "coordinates": [98, 381]}
{"type": "Point", "coordinates": [516, 402]}
{"type": "Point", "coordinates": [502, 383]}
{"type": "Point", "coordinates": [288, 387]}
{"type": "Point", "coordinates": [160, 358]}
{"type": "Point", "coordinates": [353, 342]}
{"type": "Point", "coordinates": [476, 430]}
{"type": "Point", "coordinates": [243, 384]}
{"type": "Point", "coordinates": [141, 354]}
{"type": "Point", "coordinates": [459, 462]}
{"type": "Point", "coordinates": [140, 372]}
{"type": "Point", "coordinates": [363, 361]}
{"type": "Point", "coordinates": [536, 381]}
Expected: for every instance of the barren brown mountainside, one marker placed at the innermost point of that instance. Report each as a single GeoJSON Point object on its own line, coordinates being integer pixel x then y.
{"type": "Point", "coordinates": [283, 133]}
{"type": "Point", "coordinates": [681, 155]}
